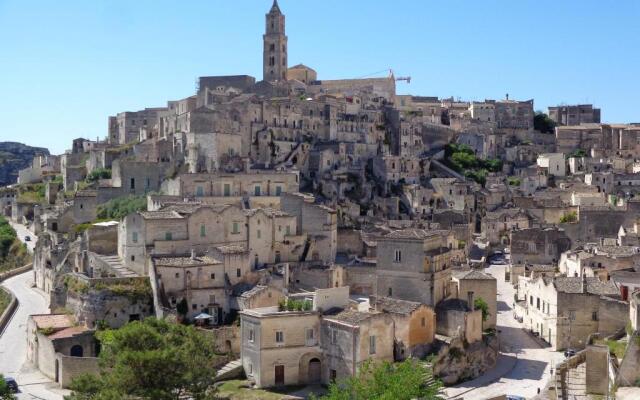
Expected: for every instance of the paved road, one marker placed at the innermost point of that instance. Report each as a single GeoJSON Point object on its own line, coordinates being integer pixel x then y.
{"type": "Point", "coordinates": [23, 232]}
{"type": "Point", "coordinates": [522, 367]}
{"type": "Point", "coordinates": [13, 342]}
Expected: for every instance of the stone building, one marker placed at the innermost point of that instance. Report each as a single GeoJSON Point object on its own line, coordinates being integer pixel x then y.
{"type": "Point", "coordinates": [564, 311]}
{"type": "Point", "coordinates": [575, 114]}
{"type": "Point", "coordinates": [415, 325]}
{"type": "Point", "coordinates": [415, 264]}
{"type": "Point", "coordinates": [60, 348]}
{"type": "Point", "coordinates": [538, 245]}
{"type": "Point", "coordinates": [497, 225]}
{"type": "Point", "coordinates": [302, 73]}
{"type": "Point", "coordinates": [481, 286]}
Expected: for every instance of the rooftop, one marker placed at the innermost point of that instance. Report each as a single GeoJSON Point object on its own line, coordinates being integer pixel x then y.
{"type": "Point", "coordinates": [53, 321]}
{"type": "Point", "coordinates": [185, 261]}
{"type": "Point", "coordinates": [397, 306]}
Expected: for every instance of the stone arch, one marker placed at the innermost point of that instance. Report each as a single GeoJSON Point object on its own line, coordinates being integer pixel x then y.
{"type": "Point", "coordinates": [310, 367]}
{"type": "Point", "coordinates": [76, 351]}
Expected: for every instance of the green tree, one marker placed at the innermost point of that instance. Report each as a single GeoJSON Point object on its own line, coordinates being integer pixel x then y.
{"type": "Point", "coordinates": [542, 123]}
{"type": "Point", "coordinates": [152, 359]}
{"type": "Point", "coordinates": [407, 380]}
{"type": "Point", "coordinates": [5, 392]}
{"type": "Point", "coordinates": [480, 304]}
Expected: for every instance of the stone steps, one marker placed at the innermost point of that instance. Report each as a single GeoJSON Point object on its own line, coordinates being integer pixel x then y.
{"type": "Point", "coordinates": [118, 267]}
{"type": "Point", "coordinates": [230, 370]}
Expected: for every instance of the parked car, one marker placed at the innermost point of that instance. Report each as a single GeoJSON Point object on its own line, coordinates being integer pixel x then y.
{"type": "Point", "coordinates": [27, 238]}
{"type": "Point", "coordinates": [514, 397]}
{"type": "Point", "coordinates": [569, 353]}
{"type": "Point", "coordinates": [11, 384]}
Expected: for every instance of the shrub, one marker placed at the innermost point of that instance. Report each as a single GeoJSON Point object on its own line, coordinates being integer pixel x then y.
{"type": "Point", "coordinates": [99, 173]}
{"type": "Point", "coordinates": [121, 207]}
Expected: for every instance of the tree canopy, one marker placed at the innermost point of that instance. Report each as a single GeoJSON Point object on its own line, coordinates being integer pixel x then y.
{"type": "Point", "coordinates": [152, 359]}
{"type": "Point", "coordinates": [542, 123]}
{"type": "Point", "coordinates": [121, 207]}
{"type": "Point", "coordinates": [407, 380]}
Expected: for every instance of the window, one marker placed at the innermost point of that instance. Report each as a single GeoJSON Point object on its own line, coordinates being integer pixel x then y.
{"type": "Point", "coordinates": [227, 190]}
{"type": "Point", "coordinates": [594, 316]}
{"type": "Point", "coordinates": [199, 191]}
{"type": "Point", "coordinates": [288, 230]}
{"type": "Point", "coordinates": [258, 234]}
{"type": "Point", "coordinates": [194, 306]}
{"type": "Point", "coordinates": [203, 231]}
{"type": "Point", "coordinates": [279, 337]}
{"type": "Point", "coordinates": [572, 315]}
{"type": "Point", "coordinates": [177, 274]}
{"type": "Point", "coordinates": [132, 183]}
{"type": "Point", "coordinates": [538, 303]}
{"type": "Point", "coordinates": [372, 345]}
{"type": "Point", "coordinates": [278, 190]}
{"type": "Point", "coordinates": [310, 334]}
{"type": "Point", "coordinates": [423, 322]}
{"type": "Point", "coordinates": [256, 190]}
{"type": "Point", "coordinates": [168, 236]}
{"type": "Point", "coordinates": [398, 256]}
{"type": "Point", "coordinates": [390, 292]}
{"type": "Point", "coordinates": [212, 299]}
{"type": "Point", "coordinates": [133, 258]}
{"type": "Point", "coordinates": [238, 273]}
{"type": "Point", "coordinates": [251, 335]}
{"type": "Point", "coordinates": [134, 237]}
{"type": "Point", "coordinates": [235, 229]}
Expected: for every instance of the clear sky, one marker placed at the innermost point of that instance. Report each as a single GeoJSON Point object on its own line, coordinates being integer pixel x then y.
{"type": "Point", "coordinates": [65, 66]}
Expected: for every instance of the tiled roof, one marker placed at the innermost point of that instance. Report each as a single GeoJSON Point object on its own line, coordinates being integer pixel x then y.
{"type": "Point", "coordinates": [185, 261]}
{"type": "Point", "coordinates": [594, 286]}
{"type": "Point", "coordinates": [397, 306]}
{"type": "Point", "coordinates": [68, 332]}
{"type": "Point", "coordinates": [350, 316]}
{"type": "Point", "coordinates": [231, 249]}
{"type": "Point", "coordinates": [477, 275]}
{"type": "Point", "coordinates": [160, 215]}
{"type": "Point", "coordinates": [414, 234]}
{"type": "Point", "coordinates": [53, 321]}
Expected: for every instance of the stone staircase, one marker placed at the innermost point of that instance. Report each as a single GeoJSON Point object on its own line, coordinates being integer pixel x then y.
{"type": "Point", "coordinates": [115, 263]}
{"type": "Point", "coordinates": [232, 369]}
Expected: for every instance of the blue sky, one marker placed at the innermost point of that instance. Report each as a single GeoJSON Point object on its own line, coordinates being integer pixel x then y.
{"type": "Point", "coordinates": [66, 65]}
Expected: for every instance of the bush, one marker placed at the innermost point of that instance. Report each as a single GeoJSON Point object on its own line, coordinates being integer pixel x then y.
{"type": "Point", "coordinates": [569, 217]}
{"type": "Point", "coordinates": [121, 207]}
{"type": "Point", "coordinates": [99, 173]}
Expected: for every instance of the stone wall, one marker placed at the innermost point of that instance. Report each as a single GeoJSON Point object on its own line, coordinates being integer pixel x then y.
{"type": "Point", "coordinates": [71, 367]}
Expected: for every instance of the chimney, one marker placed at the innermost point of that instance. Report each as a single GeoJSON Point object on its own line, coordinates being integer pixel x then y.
{"type": "Point", "coordinates": [193, 254]}
{"type": "Point", "coordinates": [470, 301]}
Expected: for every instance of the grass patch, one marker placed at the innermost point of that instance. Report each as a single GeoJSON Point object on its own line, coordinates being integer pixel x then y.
{"type": "Point", "coordinates": [5, 299]}
{"type": "Point", "coordinates": [239, 390]}
{"type": "Point", "coordinates": [121, 207]}
{"type": "Point", "coordinates": [617, 348]}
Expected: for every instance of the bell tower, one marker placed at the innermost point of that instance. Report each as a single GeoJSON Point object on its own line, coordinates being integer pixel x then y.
{"type": "Point", "coordinates": [274, 54]}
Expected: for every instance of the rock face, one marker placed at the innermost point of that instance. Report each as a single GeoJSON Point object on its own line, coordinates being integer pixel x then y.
{"type": "Point", "coordinates": [14, 157]}
{"type": "Point", "coordinates": [456, 362]}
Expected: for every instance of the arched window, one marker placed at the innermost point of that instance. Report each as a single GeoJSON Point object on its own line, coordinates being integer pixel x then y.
{"type": "Point", "coordinates": [76, 351]}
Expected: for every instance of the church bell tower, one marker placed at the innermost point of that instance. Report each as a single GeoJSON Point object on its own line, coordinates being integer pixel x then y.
{"type": "Point", "coordinates": [274, 60]}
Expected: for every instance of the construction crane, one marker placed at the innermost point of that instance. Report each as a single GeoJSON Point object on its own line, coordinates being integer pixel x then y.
{"type": "Point", "coordinates": [400, 78]}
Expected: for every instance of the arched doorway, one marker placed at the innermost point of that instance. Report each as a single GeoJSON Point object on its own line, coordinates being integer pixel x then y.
{"type": "Point", "coordinates": [314, 371]}
{"type": "Point", "coordinates": [76, 351]}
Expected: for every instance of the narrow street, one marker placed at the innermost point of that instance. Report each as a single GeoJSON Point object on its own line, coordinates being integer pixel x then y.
{"type": "Point", "coordinates": [523, 366]}
{"type": "Point", "coordinates": [13, 341]}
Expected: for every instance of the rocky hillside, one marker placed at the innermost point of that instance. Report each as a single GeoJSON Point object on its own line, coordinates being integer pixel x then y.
{"type": "Point", "coordinates": [14, 157]}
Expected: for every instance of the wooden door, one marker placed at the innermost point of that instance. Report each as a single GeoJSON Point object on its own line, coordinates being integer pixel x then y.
{"type": "Point", "coordinates": [279, 375]}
